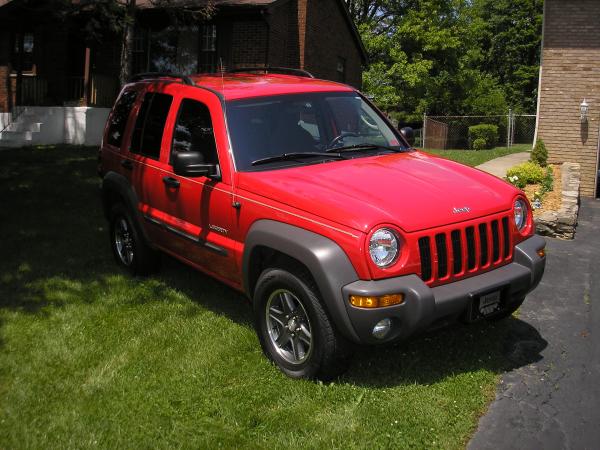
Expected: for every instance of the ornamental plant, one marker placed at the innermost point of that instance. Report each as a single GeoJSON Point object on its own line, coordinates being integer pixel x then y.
{"type": "Point", "coordinates": [485, 131]}
{"type": "Point", "coordinates": [479, 144]}
{"type": "Point", "coordinates": [539, 154]}
{"type": "Point", "coordinates": [524, 174]}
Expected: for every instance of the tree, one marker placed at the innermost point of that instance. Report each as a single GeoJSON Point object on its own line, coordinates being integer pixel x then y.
{"type": "Point", "coordinates": [100, 19]}
{"type": "Point", "coordinates": [450, 56]}
{"type": "Point", "coordinates": [510, 39]}
{"type": "Point", "coordinates": [119, 17]}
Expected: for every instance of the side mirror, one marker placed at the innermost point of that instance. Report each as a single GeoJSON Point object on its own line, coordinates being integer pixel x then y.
{"type": "Point", "coordinates": [191, 164]}
{"type": "Point", "coordinates": [409, 134]}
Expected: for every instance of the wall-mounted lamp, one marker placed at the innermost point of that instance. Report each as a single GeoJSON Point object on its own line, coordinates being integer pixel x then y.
{"type": "Point", "coordinates": [584, 109]}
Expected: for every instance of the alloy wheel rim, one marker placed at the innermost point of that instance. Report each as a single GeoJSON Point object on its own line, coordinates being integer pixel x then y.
{"type": "Point", "coordinates": [123, 241]}
{"type": "Point", "coordinates": [289, 327]}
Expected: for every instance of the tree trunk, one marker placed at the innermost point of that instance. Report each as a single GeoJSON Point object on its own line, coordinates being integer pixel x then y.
{"type": "Point", "coordinates": [127, 43]}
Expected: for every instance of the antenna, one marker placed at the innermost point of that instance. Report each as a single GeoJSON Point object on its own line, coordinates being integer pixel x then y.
{"type": "Point", "coordinates": [234, 202]}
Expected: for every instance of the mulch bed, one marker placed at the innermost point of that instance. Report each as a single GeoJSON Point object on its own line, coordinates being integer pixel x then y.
{"type": "Point", "coordinates": [552, 200]}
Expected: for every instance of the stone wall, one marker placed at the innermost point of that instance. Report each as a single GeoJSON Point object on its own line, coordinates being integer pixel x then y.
{"type": "Point", "coordinates": [562, 223]}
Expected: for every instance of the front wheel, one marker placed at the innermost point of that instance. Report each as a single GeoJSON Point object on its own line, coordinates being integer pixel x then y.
{"type": "Point", "coordinates": [294, 329]}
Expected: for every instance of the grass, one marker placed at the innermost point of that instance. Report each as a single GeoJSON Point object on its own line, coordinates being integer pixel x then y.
{"type": "Point", "coordinates": [474, 158]}
{"type": "Point", "coordinates": [90, 357]}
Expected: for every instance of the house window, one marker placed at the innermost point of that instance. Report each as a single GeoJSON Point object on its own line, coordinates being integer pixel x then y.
{"type": "Point", "coordinates": [22, 56]}
{"type": "Point", "coordinates": [341, 69]}
{"type": "Point", "coordinates": [208, 48]}
{"type": "Point", "coordinates": [140, 51]}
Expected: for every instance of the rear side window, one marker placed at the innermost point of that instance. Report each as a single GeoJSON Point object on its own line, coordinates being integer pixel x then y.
{"type": "Point", "coordinates": [118, 119]}
{"type": "Point", "coordinates": [150, 125]}
{"type": "Point", "coordinates": [194, 131]}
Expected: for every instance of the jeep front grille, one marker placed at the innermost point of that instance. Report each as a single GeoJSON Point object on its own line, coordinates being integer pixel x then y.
{"type": "Point", "coordinates": [475, 247]}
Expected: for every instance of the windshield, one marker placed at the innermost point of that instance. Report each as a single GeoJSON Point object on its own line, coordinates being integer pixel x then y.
{"type": "Point", "coordinates": [263, 129]}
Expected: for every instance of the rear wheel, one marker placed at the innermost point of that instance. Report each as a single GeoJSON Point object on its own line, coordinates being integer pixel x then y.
{"type": "Point", "coordinates": [129, 248]}
{"type": "Point", "coordinates": [294, 329]}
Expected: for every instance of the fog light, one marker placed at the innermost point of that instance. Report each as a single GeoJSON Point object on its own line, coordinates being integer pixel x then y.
{"type": "Point", "coordinates": [541, 252]}
{"type": "Point", "coordinates": [382, 328]}
{"type": "Point", "coordinates": [362, 301]}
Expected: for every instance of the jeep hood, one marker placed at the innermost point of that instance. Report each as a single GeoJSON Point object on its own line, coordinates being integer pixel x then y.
{"type": "Point", "coordinates": [412, 190]}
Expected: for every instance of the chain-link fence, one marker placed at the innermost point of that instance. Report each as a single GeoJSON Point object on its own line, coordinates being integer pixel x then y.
{"type": "Point", "coordinates": [452, 132]}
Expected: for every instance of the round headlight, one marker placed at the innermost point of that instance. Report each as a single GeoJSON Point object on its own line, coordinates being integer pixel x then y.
{"type": "Point", "coordinates": [383, 247]}
{"type": "Point", "coordinates": [520, 210]}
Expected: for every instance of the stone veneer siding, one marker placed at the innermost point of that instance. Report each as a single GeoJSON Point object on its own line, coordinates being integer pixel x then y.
{"type": "Point", "coordinates": [570, 73]}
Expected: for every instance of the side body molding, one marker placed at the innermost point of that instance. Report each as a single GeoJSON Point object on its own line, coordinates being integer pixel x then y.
{"type": "Point", "coordinates": [326, 261]}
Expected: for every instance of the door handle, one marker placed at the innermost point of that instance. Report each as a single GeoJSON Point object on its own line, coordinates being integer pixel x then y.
{"type": "Point", "coordinates": [171, 182]}
{"type": "Point", "coordinates": [127, 164]}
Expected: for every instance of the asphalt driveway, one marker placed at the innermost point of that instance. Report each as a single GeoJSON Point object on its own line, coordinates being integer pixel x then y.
{"type": "Point", "coordinates": [554, 403]}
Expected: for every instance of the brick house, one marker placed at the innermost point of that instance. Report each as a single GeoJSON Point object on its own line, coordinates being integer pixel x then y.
{"type": "Point", "coordinates": [58, 68]}
{"type": "Point", "coordinates": [570, 74]}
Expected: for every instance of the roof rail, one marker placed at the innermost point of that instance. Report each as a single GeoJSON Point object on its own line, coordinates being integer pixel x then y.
{"type": "Point", "coordinates": [279, 70]}
{"type": "Point", "coordinates": [153, 75]}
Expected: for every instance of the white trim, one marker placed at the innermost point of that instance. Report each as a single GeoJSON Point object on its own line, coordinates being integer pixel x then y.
{"type": "Point", "coordinates": [539, 99]}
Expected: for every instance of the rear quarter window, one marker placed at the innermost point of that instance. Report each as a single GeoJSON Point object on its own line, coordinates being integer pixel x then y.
{"type": "Point", "coordinates": [119, 116]}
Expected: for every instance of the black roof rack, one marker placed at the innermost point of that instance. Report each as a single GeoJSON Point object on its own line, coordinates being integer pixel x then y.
{"type": "Point", "coordinates": [152, 75]}
{"type": "Point", "coordinates": [279, 70]}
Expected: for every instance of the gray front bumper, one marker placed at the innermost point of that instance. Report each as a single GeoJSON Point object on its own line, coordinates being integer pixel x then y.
{"type": "Point", "coordinates": [425, 306]}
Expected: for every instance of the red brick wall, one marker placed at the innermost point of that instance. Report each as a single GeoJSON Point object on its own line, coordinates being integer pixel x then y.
{"type": "Point", "coordinates": [570, 73]}
{"type": "Point", "coordinates": [249, 43]}
{"type": "Point", "coordinates": [328, 38]}
{"type": "Point", "coordinates": [284, 48]}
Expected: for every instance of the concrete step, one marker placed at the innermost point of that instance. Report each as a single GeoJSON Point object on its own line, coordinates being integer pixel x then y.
{"type": "Point", "coordinates": [25, 126]}
{"type": "Point", "coordinates": [16, 136]}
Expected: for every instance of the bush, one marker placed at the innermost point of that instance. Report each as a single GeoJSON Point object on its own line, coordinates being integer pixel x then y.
{"type": "Point", "coordinates": [485, 131]}
{"type": "Point", "coordinates": [479, 144]}
{"type": "Point", "coordinates": [539, 154]}
{"type": "Point", "coordinates": [548, 181]}
{"type": "Point", "coordinates": [526, 173]}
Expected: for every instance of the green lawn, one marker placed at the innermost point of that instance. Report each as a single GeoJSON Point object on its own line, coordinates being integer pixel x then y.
{"type": "Point", "coordinates": [474, 158]}
{"type": "Point", "coordinates": [90, 357]}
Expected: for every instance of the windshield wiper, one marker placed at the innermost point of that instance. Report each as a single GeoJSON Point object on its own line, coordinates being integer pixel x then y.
{"type": "Point", "coordinates": [355, 147]}
{"type": "Point", "coordinates": [297, 155]}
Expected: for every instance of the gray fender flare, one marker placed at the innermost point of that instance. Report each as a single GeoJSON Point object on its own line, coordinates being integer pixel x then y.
{"type": "Point", "coordinates": [118, 184]}
{"type": "Point", "coordinates": [327, 262]}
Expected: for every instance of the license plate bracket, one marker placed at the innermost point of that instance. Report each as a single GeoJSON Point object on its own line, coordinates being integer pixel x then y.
{"type": "Point", "coordinates": [489, 303]}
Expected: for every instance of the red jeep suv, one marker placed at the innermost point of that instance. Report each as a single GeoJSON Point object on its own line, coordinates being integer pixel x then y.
{"type": "Point", "coordinates": [301, 194]}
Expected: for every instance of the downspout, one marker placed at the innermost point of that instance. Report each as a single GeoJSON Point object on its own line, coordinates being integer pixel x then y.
{"type": "Point", "coordinates": [539, 99]}
{"type": "Point", "coordinates": [302, 11]}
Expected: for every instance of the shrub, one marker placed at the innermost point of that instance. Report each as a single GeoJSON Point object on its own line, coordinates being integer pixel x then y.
{"type": "Point", "coordinates": [479, 144]}
{"type": "Point", "coordinates": [524, 174]}
{"type": "Point", "coordinates": [539, 154]}
{"type": "Point", "coordinates": [548, 181]}
{"type": "Point", "coordinates": [485, 131]}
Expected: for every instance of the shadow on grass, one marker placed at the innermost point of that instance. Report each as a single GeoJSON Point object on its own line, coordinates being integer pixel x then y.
{"type": "Point", "coordinates": [56, 252]}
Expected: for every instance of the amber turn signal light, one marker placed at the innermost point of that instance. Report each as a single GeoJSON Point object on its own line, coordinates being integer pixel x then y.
{"type": "Point", "coordinates": [541, 252]}
{"type": "Point", "coordinates": [362, 301]}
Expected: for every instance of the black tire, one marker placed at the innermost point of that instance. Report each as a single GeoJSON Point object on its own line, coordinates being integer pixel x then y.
{"type": "Point", "coordinates": [326, 356]}
{"type": "Point", "coordinates": [508, 311]}
{"type": "Point", "coordinates": [129, 248]}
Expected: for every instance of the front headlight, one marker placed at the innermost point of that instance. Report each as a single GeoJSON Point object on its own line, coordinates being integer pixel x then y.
{"type": "Point", "coordinates": [520, 210]}
{"type": "Point", "coordinates": [383, 247]}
